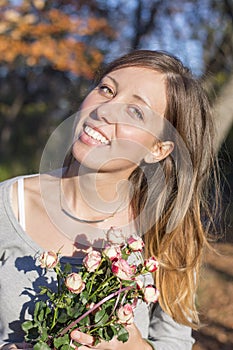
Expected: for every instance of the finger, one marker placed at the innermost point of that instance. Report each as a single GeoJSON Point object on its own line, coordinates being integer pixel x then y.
{"type": "Point", "coordinates": [8, 347]}
{"type": "Point", "coordinates": [132, 329]}
{"type": "Point", "coordinates": [99, 346]}
{"type": "Point", "coordinates": [82, 338]}
{"type": "Point", "coordinates": [24, 346]}
{"type": "Point", "coordinates": [11, 346]}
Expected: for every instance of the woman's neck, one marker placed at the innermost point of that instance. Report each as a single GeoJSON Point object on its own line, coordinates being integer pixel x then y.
{"type": "Point", "coordinates": [96, 194]}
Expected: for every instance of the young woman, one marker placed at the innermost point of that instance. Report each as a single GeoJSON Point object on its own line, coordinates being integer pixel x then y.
{"type": "Point", "coordinates": [141, 153]}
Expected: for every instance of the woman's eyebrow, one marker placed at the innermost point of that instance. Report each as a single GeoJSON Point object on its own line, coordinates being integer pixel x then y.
{"type": "Point", "coordinates": [142, 100]}
{"type": "Point", "coordinates": [135, 96]}
{"type": "Point", "coordinates": [113, 80]}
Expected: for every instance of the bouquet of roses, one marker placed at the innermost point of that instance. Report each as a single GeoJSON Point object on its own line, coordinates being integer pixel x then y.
{"type": "Point", "coordinates": [99, 299]}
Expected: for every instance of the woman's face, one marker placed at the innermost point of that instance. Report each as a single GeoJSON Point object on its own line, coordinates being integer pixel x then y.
{"type": "Point", "coordinates": [120, 119]}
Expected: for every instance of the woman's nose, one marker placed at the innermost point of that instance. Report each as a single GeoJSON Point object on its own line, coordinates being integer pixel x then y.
{"type": "Point", "coordinates": [110, 112]}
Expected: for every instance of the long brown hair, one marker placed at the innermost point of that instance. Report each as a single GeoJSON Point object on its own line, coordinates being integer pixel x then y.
{"type": "Point", "coordinates": [174, 214]}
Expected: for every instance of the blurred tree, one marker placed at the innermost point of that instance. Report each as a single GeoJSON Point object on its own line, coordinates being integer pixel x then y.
{"type": "Point", "coordinates": [44, 45]}
{"type": "Point", "coordinates": [40, 34]}
{"type": "Point", "coordinates": [49, 50]}
{"type": "Point", "coordinates": [200, 32]}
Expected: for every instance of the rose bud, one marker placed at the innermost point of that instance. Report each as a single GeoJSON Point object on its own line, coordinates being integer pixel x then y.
{"type": "Point", "coordinates": [48, 260]}
{"type": "Point", "coordinates": [112, 252]}
{"type": "Point", "coordinates": [151, 294]}
{"type": "Point", "coordinates": [125, 314]}
{"type": "Point", "coordinates": [74, 283]}
{"type": "Point", "coordinates": [123, 270]}
{"type": "Point", "coordinates": [151, 264]}
{"type": "Point", "coordinates": [135, 243]}
{"type": "Point", "coordinates": [92, 260]}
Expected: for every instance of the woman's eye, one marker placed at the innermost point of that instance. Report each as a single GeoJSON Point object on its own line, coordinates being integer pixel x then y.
{"type": "Point", "coordinates": [104, 89]}
{"type": "Point", "coordinates": [136, 112]}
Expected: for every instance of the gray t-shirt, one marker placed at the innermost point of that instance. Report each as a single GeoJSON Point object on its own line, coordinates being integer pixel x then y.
{"type": "Point", "coordinates": [20, 279]}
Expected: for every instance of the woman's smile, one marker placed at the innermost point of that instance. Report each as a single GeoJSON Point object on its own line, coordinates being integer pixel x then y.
{"type": "Point", "coordinates": [93, 136]}
{"type": "Point", "coordinates": [120, 119]}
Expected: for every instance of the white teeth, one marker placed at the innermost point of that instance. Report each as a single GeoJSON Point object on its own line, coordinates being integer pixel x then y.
{"type": "Point", "coordinates": [95, 135]}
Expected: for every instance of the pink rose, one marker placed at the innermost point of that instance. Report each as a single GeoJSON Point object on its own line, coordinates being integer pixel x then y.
{"type": "Point", "coordinates": [135, 243]}
{"type": "Point", "coordinates": [112, 252]}
{"type": "Point", "coordinates": [92, 260]}
{"type": "Point", "coordinates": [151, 264]}
{"type": "Point", "coordinates": [123, 270]}
{"type": "Point", "coordinates": [125, 314]}
{"type": "Point", "coordinates": [74, 283]}
{"type": "Point", "coordinates": [48, 260]}
{"type": "Point", "coordinates": [151, 294]}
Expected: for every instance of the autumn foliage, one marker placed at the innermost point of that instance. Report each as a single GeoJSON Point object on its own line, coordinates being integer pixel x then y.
{"type": "Point", "coordinates": [39, 32]}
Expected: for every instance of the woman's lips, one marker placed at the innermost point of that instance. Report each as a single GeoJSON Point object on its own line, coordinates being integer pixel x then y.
{"type": "Point", "coordinates": [93, 136]}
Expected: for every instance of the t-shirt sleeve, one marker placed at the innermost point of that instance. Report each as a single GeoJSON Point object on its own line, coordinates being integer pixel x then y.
{"type": "Point", "coordinates": [165, 333]}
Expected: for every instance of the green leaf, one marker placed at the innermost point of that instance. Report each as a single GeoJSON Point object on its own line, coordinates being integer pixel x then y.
{"type": "Point", "coordinates": [32, 334]}
{"type": "Point", "coordinates": [68, 300]}
{"type": "Point", "coordinates": [41, 315]}
{"type": "Point", "coordinates": [123, 335]}
{"type": "Point", "coordinates": [85, 321]}
{"type": "Point", "coordinates": [51, 295]}
{"type": "Point", "coordinates": [40, 305]}
{"type": "Point", "coordinates": [108, 333]}
{"type": "Point", "coordinates": [67, 268]}
{"type": "Point", "coordinates": [66, 347]}
{"type": "Point", "coordinates": [41, 346]}
{"type": "Point", "coordinates": [44, 334]}
{"type": "Point", "coordinates": [84, 297]}
{"type": "Point", "coordinates": [63, 317]}
{"type": "Point", "coordinates": [75, 311]}
{"type": "Point", "coordinates": [101, 317]}
{"type": "Point", "coordinates": [65, 340]}
{"type": "Point", "coordinates": [94, 299]}
{"type": "Point", "coordinates": [47, 311]}
{"type": "Point", "coordinates": [43, 290]}
{"type": "Point", "coordinates": [114, 329]}
{"type": "Point", "coordinates": [100, 332]}
{"type": "Point", "coordinates": [36, 310]}
{"type": "Point", "coordinates": [27, 325]}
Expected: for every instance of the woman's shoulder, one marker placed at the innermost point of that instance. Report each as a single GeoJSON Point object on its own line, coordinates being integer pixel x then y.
{"type": "Point", "coordinates": [32, 184]}
{"type": "Point", "coordinates": [6, 184]}
{"type": "Point", "coordinates": [10, 189]}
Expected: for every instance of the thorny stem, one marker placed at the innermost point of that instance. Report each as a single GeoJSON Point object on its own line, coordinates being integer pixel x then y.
{"type": "Point", "coordinates": [110, 296]}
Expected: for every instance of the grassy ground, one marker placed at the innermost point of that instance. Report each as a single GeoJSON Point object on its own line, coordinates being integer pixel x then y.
{"type": "Point", "coordinates": [215, 300]}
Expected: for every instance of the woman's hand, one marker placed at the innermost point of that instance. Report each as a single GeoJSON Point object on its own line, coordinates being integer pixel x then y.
{"type": "Point", "coordinates": [135, 341]}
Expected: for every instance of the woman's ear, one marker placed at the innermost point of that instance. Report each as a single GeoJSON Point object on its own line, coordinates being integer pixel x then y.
{"type": "Point", "coordinates": [159, 151]}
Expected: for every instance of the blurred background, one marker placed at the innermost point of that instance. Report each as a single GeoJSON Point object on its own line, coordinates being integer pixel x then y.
{"type": "Point", "coordinates": [49, 51]}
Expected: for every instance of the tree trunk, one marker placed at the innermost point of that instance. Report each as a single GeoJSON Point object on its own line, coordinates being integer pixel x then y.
{"type": "Point", "coordinates": [223, 111]}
